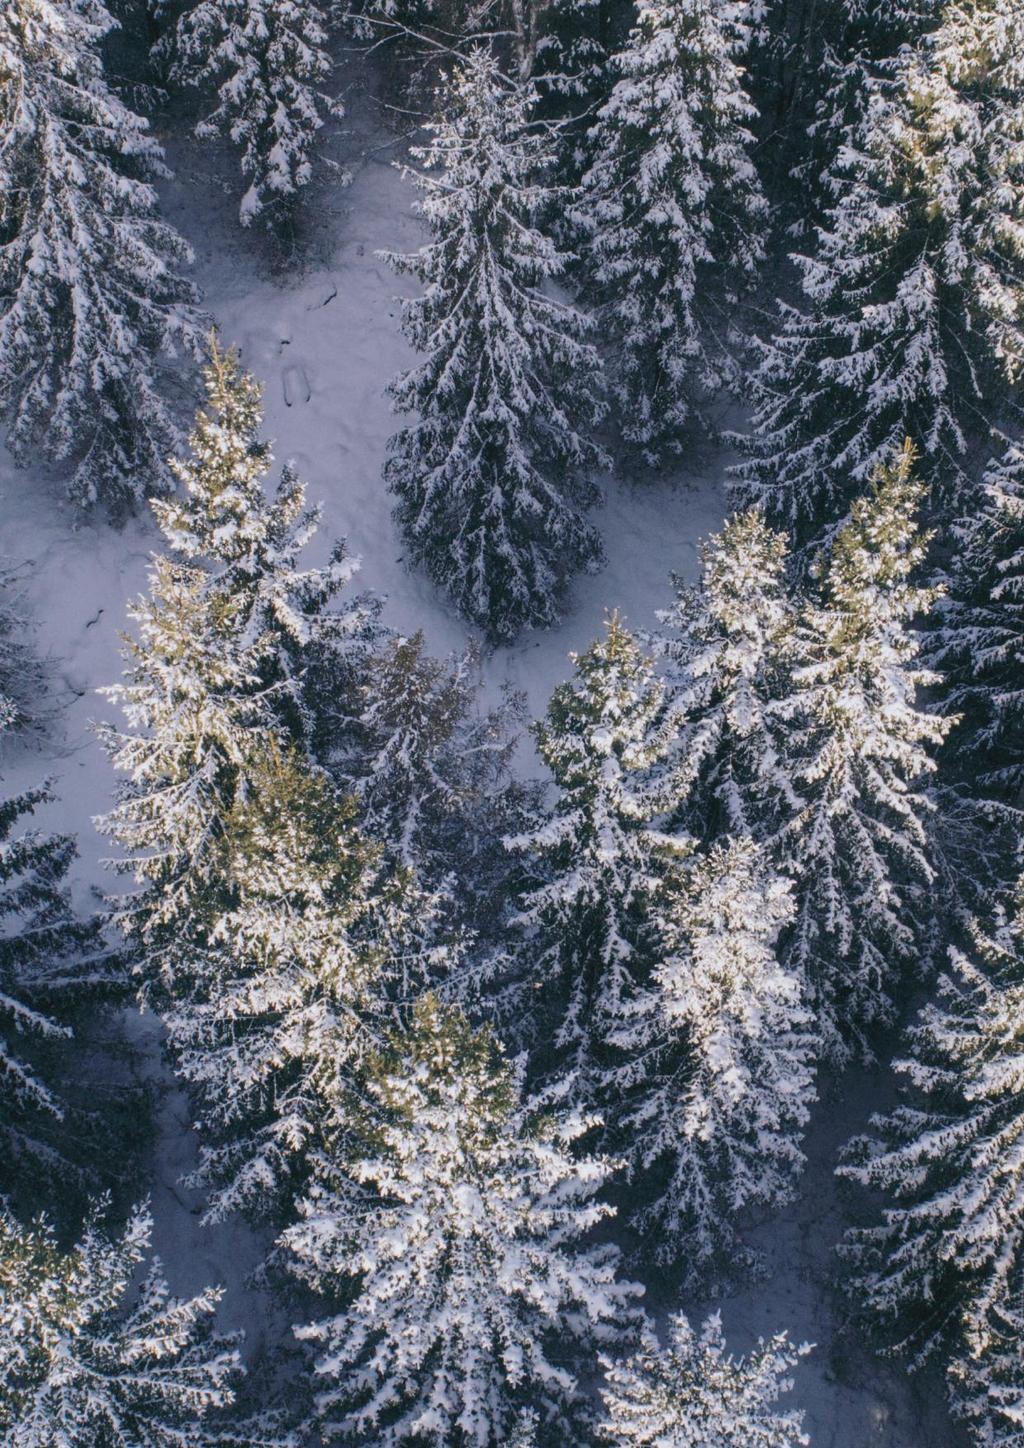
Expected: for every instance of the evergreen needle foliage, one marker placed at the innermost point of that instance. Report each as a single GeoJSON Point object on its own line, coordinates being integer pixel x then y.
{"type": "Point", "coordinates": [942, 1273]}
{"type": "Point", "coordinates": [91, 300]}
{"type": "Point", "coordinates": [692, 1395]}
{"type": "Point", "coordinates": [271, 68]}
{"type": "Point", "coordinates": [492, 475]}
{"type": "Point", "coordinates": [456, 1239]}
{"type": "Point", "coordinates": [87, 1359]}
{"type": "Point", "coordinates": [912, 321]}
{"type": "Point", "coordinates": [674, 214]}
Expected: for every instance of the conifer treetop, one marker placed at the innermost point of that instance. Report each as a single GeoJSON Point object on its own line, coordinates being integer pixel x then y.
{"type": "Point", "coordinates": [862, 748]}
{"type": "Point", "coordinates": [692, 1394]}
{"type": "Point", "coordinates": [493, 473]}
{"type": "Point", "coordinates": [727, 644]}
{"type": "Point", "coordinates": [85, 1359]}
{"type": "Point", "coordinates": [91, 302]}
{"type": "Point", "coordinates": [460, 1228]}
{"type": "Point", "coordinates": [225, 517]}
{"type": "Point", "coordinates": [231, 639]}
{"type": "Point", "coordinates": [596, 853]}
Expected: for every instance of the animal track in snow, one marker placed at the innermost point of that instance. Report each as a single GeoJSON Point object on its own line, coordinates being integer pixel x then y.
{"type": "Point", "coordinates": [295, 381]}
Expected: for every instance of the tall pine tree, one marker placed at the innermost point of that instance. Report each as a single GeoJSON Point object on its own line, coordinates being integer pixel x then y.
{"type": "Point", "coordinates": [797, 721]}
{"type": "Point", "coordinates": [234, 641]}
{"type": "Point", "coordinates": [492, 474]}
{"type": "Point", "coordinates": [913, 316]}
{"type": "Point", "coordinates": [453, 1243]}
{"type": "Point", "coordinates": [283, 983]}
{"type": "Point", "coordinates": [942, 1272]}
{"type": "Point", "coordinates": [675, 214]}
{"type": "Point", "coordinates": [91, 300]}
{"type": "Point", "coordinates": [271, 68]}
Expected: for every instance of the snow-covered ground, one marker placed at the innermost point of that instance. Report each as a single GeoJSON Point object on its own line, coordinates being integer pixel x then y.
{"type": "Point", "coordinates": [326, 343]}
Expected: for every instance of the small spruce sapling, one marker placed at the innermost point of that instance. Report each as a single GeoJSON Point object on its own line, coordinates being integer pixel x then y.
{"type": "Point", "coordinates": [429, 767]}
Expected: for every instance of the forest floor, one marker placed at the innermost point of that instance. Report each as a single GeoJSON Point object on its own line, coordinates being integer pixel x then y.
{"type": "Point", "coordinates": [325, 340]}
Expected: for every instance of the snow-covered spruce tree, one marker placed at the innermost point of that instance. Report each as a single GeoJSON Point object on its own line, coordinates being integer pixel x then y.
{"type": "Point", "coordinates": [281, 977]}
{"type": "Point", "coordinates": [693, 1395]}
{"type": "Point", "coordinates": [52, 966]}
{"type": "Point", "coordinates": [726, 646]}
{"type": "Point", "coordinates": [21, 675]}
{"type": "Point", "coordinates": [675, 214]}
{"type": "Point", "coordinates": [797, 723]}
{"type": "Point", "coordinates": [492, 474]}
{"type": "Point", "coordinates": [587, 922]}
{"type": "Point", "coordinates": [429, 767]}
{"type": "Point", "coordinates": [855, 44]}
{"type": "Point", "coordinates": [429, 770]}
{"type": "Point", "coordinates": [942, 1273]}
{"type": "Point", "coordinates": [251, 932]}
{"type": "Point", "coordinates": [570, 67]}
{"type": "Point", "coordinates": [570, 70]}
{"type": "Point", "coordinates": [979, 642]}
{"type": "Point", "coordinates": [914, 316]}
{"type": "Point", "coordinates": [252, 547]}
{"type": "Point", "coordinates": [717, 1051]}
{"type": "Point", "coordinates": [90, 298]}
{"type": "Point", "coordinates": [524, 1433]}
{"type": "Point", "coordinates": [231, 639]}
{"type": "Point", "coordinates": [455, 1243]}
{"type": "Point", "coordinates": [860, 749]}
{"type": "Point", "coordinates": [87, 1360]}
{"type": "Point", "coordinates": [271, 69]}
